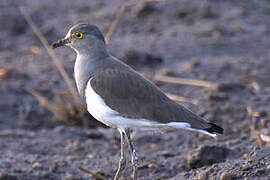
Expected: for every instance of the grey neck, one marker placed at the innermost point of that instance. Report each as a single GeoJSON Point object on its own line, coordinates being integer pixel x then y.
{"type": "Point", "coordinates": [88, 62]}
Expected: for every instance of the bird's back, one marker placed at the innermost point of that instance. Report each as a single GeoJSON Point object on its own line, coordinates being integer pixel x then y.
{"type": "Point", "coordinates": [134, 97]}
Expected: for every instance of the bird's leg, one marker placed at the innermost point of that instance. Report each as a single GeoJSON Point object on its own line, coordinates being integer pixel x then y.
{"type": "Point", "coordinates": [122, 161]}
{"type": "Point", "coordinates": [134, 158]}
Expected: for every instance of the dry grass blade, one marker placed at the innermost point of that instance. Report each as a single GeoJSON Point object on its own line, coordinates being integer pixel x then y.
{"type": "Point", "coordinates": [62, 112]}
{"type": "Point", "coordinates": [182, 99]}
{"type": "Point", "coordinates": [56, 62]}
{"type": "Point", "coordinates": [147, 165]}
{"type": "Point", "coordinates": [183, 81]}
{"type": "Point", "coordinates": [42, 100]}
{"type": "Point", "coordinates": [67, 107]}
{"type": "Point", "coordinates": [253, 113]}
{"type": "Point", "coordinates": [120, 13]}
{"type": "Point", "coordinates": [162, 78]}
{"type": "Point", "coordinates": [259, 139]}
{"type": "Point", "coordinates": [93, 174]}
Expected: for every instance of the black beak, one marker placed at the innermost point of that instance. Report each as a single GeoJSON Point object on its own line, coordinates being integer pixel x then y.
{"type": "Point", "coordinates": [61, 42]}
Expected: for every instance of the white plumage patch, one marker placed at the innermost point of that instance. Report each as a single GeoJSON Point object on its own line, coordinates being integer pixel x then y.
{"type": "Point", "coordinates": [186, 126]}
{"type": "Point", "coordinates": [99, 110]}
{"type": "Point", "coordinates": [103, 113]}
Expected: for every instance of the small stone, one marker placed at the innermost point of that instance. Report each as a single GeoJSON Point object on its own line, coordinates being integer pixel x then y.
{"type": "Point", "coordinates": [151, 165]}
{"type": "Point", "coordinates": [265, 122]}
{"type": "Point", "coordinates": [209, 12]}
{"type": "Point", "coordinates": [226, 176]}
{"type": "Point", "coordinates": [30, 159]}
{"type": "Point", "coordinates": [35, 50]}
{"type": "Point", "coordinates": [259, 154]}
{"type": "Point", "coordinates": [59, 129]}
{"type": "Point", "coordinates": [145, 9]}
{"type": "Point", "coordinates": [93, 135]}
{"type": "Point", "coordinates": [207, 155]}
{"type": "Point", "coordinates": [203, 176]}
{"type": "Point", "coordinates": [167, 154]}
{"type": "Point", "coordinates": [4, 73]}
{"type": "Point", "coordinates": [37, 165]}
{"type": "Point", "coordinates": [71, 177]}
{"type": "Point", "coordinates": [188, 66]}
{"type": "Point", "coordinates": [259, 171]}
{"type": "Point", "coordinates": [76, 143]}
{"type": "Point", "coordinates": [90, 156]}
{"type": "Point", "coordinates": [224, 87]}
{"type": "Point", "coordinates": [182, 13]}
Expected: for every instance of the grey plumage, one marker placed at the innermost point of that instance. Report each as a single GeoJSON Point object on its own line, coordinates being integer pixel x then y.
{"type": "Point", "coordinates": [121, 88]}
{"type": "Point", "coordinates": [137, 97]}
{"type": "Point", "coordinates": [131, 102]}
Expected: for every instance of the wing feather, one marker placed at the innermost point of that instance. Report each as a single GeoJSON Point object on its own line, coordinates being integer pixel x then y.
{"type": "Point", "coordinates": [134, 97]}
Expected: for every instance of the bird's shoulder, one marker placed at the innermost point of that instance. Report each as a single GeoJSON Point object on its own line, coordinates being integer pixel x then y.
{"type": "Point", "coordinates": [124, 83]}
{"type": "Point", "coordinates": [127, 92]}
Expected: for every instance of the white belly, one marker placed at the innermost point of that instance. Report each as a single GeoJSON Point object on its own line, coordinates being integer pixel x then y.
{"type": "Point", "coordinates": [96, 106]}
{"type": "Point", "coordinates": [103, 113]}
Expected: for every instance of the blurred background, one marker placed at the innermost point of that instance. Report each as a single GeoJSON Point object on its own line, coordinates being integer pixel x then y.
{"type": "Point", "coordinates": [211, 55]}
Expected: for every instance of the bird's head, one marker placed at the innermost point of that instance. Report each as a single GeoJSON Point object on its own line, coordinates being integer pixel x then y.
{"type": "Point", "coordinates": [81, 36]}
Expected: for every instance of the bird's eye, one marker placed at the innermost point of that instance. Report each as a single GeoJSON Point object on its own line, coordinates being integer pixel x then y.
{"type": "Point", "coordinates": [78, 35]}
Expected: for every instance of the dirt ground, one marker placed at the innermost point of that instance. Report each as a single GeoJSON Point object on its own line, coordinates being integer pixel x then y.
{"type": "Point", "coordinates": [217, 41]}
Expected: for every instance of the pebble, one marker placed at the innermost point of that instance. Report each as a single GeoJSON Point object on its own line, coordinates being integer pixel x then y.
{"type": "Point", "coordinates": [71, 177]}
{"type": "Point", "coordinates": [226, 176]}
{"type": "Point", "coordinates": [203, 176]}
{"type": "Point", "coordinates": [145, 9]}
{"type": "Point", "coordinates": [207, 155]}
{"type": "Point", "coordinates": [37, 165]}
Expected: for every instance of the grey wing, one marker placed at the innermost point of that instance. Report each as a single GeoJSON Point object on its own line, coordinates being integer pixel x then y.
{"type": "Point", "coordinates": [133, 96]}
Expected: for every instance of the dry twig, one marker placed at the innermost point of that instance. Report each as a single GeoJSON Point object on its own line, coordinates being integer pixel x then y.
{"type": "Point", "coordinates": [162, 78]}
{"type": "Point", "coordinates": [59, 66]}
{"type": "Point", "coordinates": [149, 164]}
{"type": "Point", "coordinates": [67, 106]}
{"type": "Point", "coordinates": [259, 138]}
{"type": "Point", "coordinates": [115, 23]}
{"type": "Point", "coordinates": [173, 96]}
{"type": "Point", "coordinates": [65, 112]}
{"type": "Point", "coordinates": [93, 174]}
{"type": "Point", "coordinates": [183, 81]}
{"type": "Point", "coordinates": [181, 99]}
{"type": "Point", "coordinates": [120, 13]}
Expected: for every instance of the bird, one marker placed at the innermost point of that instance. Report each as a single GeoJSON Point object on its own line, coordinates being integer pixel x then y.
{"type": "Point", "coordinates": [119, 97]}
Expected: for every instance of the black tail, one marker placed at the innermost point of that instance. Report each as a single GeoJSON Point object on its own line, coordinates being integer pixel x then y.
{"type": "Point", "coordinates": [214, 129]}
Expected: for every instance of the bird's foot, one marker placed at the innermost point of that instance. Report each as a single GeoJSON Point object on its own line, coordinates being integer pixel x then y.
{"type": "Point", "coordinates": [135, 162]}
{"type": "Point", "coordinates": [134, 172]}
{"type": "Point", "coordinates": [121, 167]}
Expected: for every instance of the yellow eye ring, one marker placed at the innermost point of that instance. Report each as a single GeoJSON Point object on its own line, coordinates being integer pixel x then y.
{"type": "Point", "coordinates": [78, 35]}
